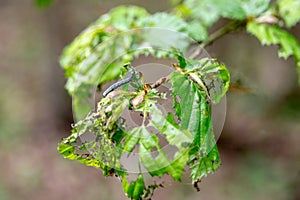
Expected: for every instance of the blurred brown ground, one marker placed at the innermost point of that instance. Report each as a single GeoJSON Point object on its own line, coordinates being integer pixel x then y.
{"type": "Point", "coordinates": [259, 145]}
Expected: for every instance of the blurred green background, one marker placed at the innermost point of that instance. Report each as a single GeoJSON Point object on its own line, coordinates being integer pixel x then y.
{"type": "Point", "coordinates": [259, 145]}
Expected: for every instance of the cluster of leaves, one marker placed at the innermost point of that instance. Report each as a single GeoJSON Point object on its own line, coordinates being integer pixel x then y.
{"type": "Point", "coordinates": [103, 48]}
{"type": "Point", "coordinates": [98, 55]}
{"type": "Point", "coordinates": [193, 137]}
{"type": "Point", "coordinates": [93, 51]}
{"type": "Point", "coordinates": [262, 19]}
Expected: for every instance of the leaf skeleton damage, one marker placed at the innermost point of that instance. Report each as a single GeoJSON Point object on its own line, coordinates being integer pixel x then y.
{"type": "Point", "coordinates": [193, 136]}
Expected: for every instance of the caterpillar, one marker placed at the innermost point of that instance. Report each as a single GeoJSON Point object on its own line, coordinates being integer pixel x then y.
{"type": "Point", "coordinates": [118, 84]}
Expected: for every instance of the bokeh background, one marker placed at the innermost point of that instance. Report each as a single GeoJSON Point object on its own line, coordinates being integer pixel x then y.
{"type": "Point", "coordinates": [259, 145]}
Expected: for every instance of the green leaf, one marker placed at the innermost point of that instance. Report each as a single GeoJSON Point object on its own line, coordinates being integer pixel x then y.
{"type": "Point", "coordinates": [229, 9]}
{"type": "Point", "coordinates": [112, 72]}
{"type": "Point", "coordinates": [214, 75]}
{"type": "Point", "coordinates": [240, 9]}
{"type": "Point", "coordinates": [197, 30]}
{"type": "Point", "coordinates": [132, 139]}
{"type": "Point", "coordinates": [135, 189]}
{"type": "Point", "coordinates": [162, 164]}
{"type": "Point", "coordinates": [206, 165]}
{"type": "Point", "coordinates": [195, 117]}
{"type": "Point", "coordinates": [175, 2]}
{"type": "Point", "coordinates": [189, 102]}
{"type": "Point", "coordinates": [80, 101]}
{"type": "Point", "coordinates": [68, 151]}
{"type": "Point", "coordinates": [255, 7]}
{"type": "Point", "coordinates": [43, 3]}
{"type": "Point", "coordinates": [125, 17]}
{"type": "Point", "coordinates": [274, 35]}
{"type": "Point", "coordinates": [202, 14]}
{"type": "Point", "coordinates": [174, 135]}
{"type": "Point", "coordinates": [200, 10]}
{"type": "Point", "coordinates": [207, 12]}
{"type": "Point", "coordinates": [166, 21]}
{"type": "Point", "coordinates": [289, 11]}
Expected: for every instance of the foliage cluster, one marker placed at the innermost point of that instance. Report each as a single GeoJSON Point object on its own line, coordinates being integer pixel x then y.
{"type": "Point", "coordinates": [98, 55]}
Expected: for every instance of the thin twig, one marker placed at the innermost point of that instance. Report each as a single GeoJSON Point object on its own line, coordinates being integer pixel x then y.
{"type": "Point", "coordinates": [160, 81]}
{"type": "Point", "coordinates": [217, 34]}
